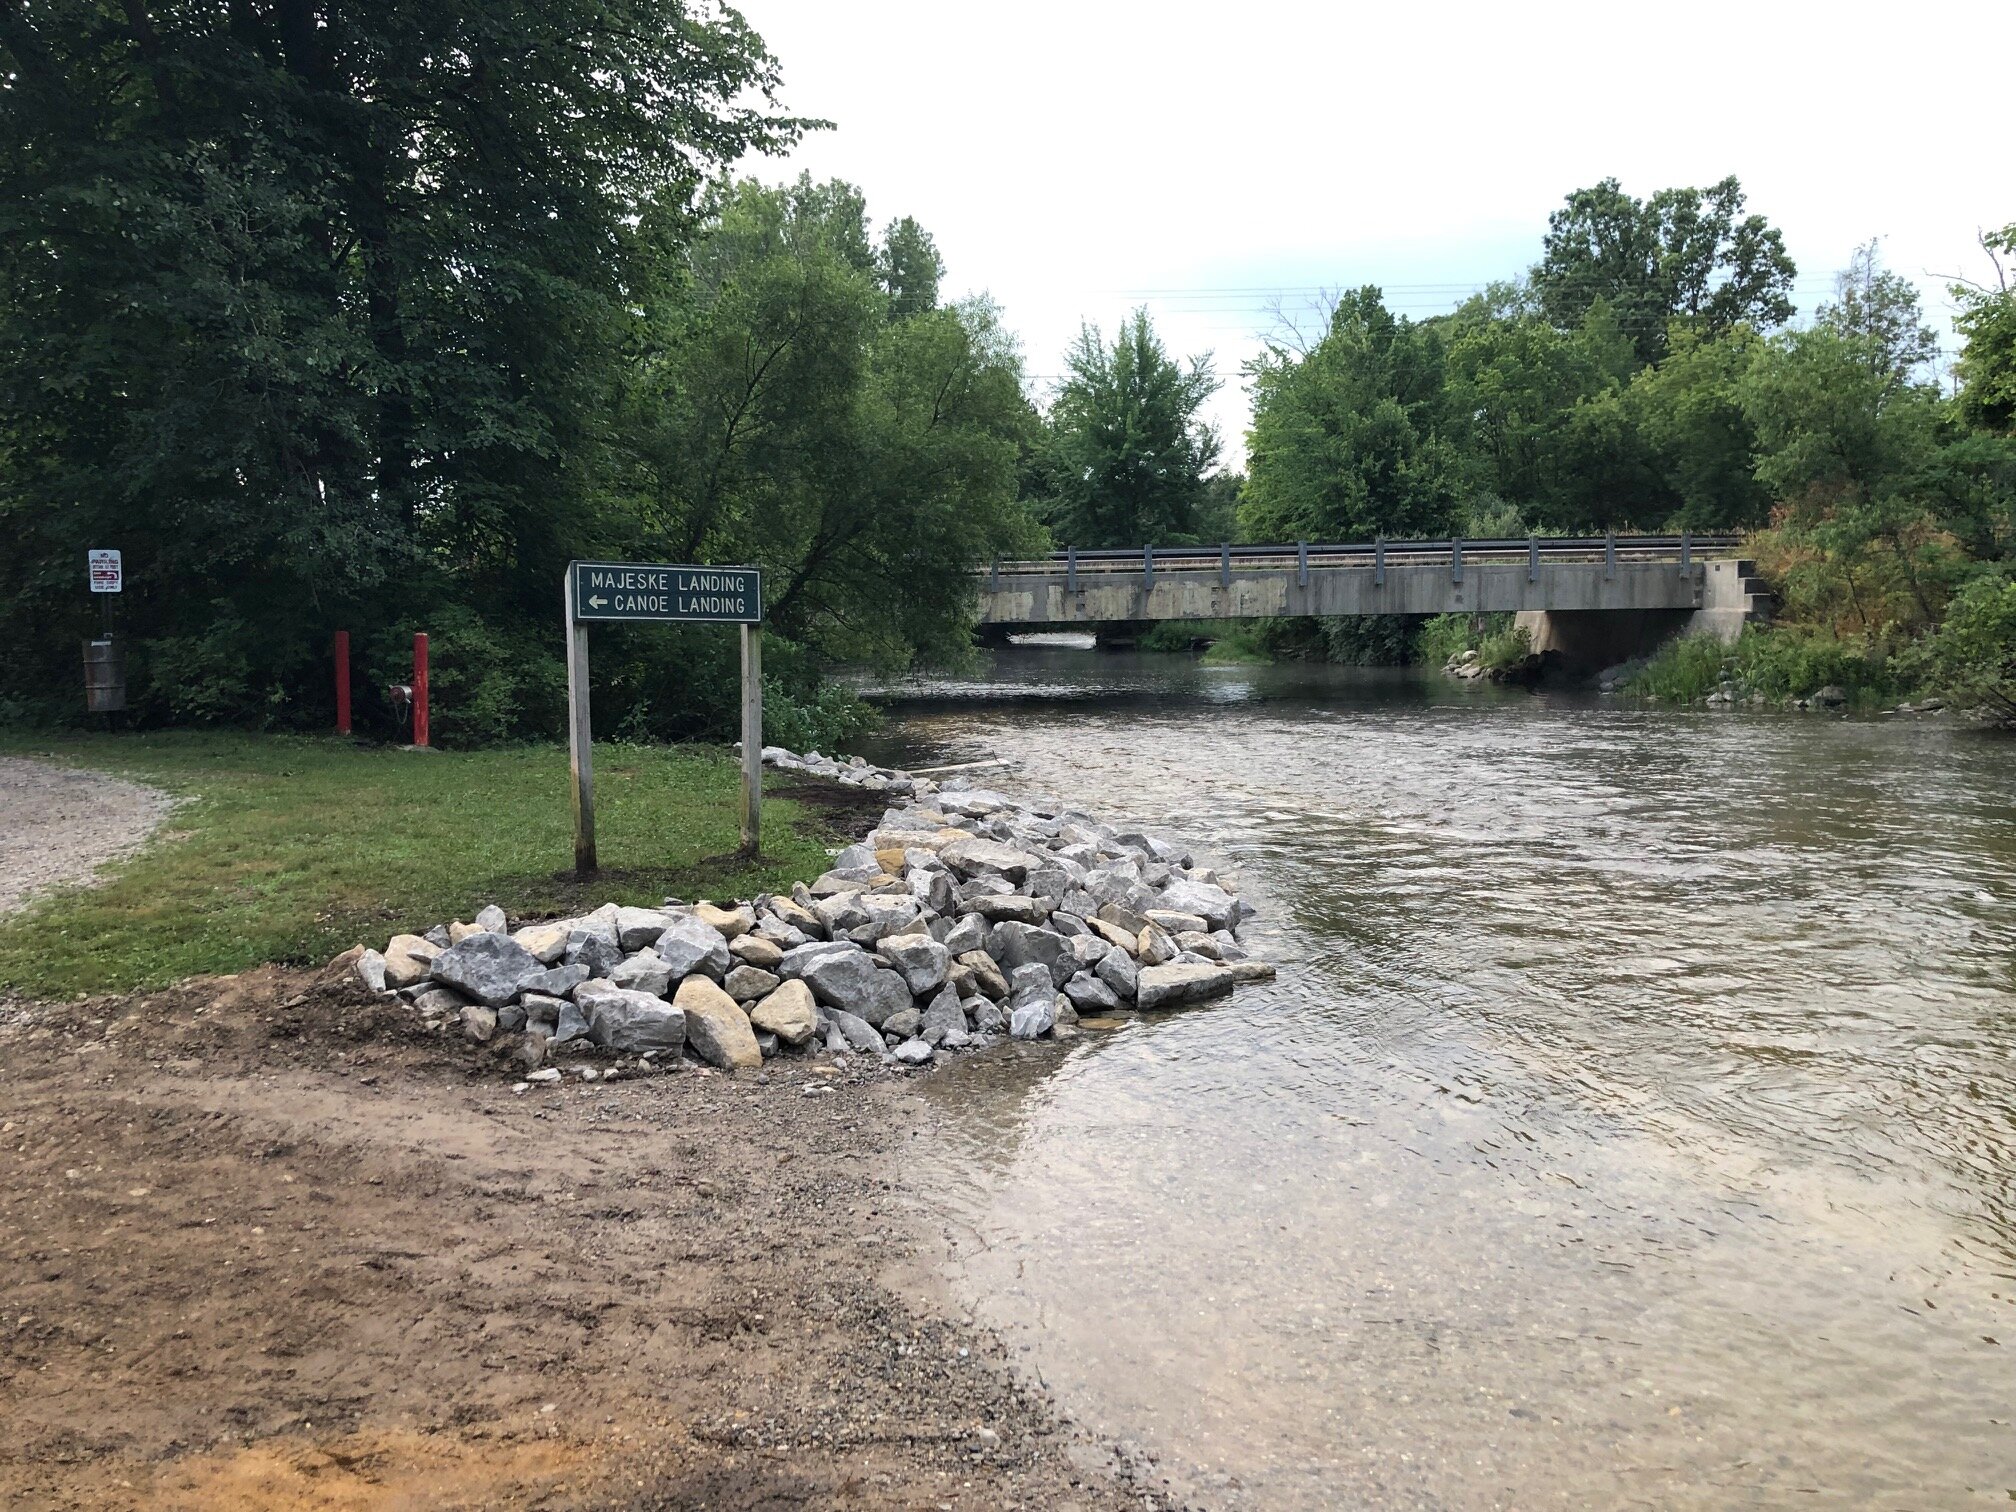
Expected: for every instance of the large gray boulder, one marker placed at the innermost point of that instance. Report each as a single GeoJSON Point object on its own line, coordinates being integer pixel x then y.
{"type": "Point", "coordinates": [1212, 904]}
{"type": "Point", "coordinates": [592, 949]}
{"type": "Point", "coordinates": [1090, 995]}
{"type": "Point", "coordinates": [841, 914]}
{"type": "Point", "coordinates": [687, 945]}
{"type": "Point", "coordinates": [1117, 970]}
{"type": "Point", "coordinates": [853, 981]}
{"type": "Point", "coordinates": [944, 1014]}
{"type": "Point", "coordinates": [888, 914]}
{"type": "Point", "coordinates": [860, 1035]}
{"type": "Point", "coordinates": [977, 857]}
{"type": "Point", "coordinates": [1010, 908]}
{"type": "Point", "coordinates": [556, 981]}
{"type": "Point", "coordinates": [1034, 1019]}
{"type": "Point", "coordinates": [1173, 985]}
{"type": "Point", "coordinates": [968, 933]}
{"type": "Point", "coordinates": [638, 927]}
{"type": "Point", "coordinates": [626, 1021]}
{"type": "Point", "coordinates": [1014, 944]}
{"type": "Point", "coordinates": [920, 960]}
{"type": "Point", "coordinates": [1030, 983]}
{"type": "Point", "coordinates": [491, 968]}
{"type": "Point", "coordinates": [796, 960]}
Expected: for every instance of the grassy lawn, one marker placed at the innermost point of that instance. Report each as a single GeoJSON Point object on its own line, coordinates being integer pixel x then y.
{"type": "Point", "coordinates": [291, 849]}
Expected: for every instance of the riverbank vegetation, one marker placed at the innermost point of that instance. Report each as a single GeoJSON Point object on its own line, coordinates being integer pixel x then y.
{"type": "Point", "coordinates": [1645, 376]}
{"type": "Point", "coordinates": [284, 848]}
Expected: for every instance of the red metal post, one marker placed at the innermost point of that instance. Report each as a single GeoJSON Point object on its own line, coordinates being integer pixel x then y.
{"type": "Point", "coordinates": [342, 682]}
{"type": "Point", "coordinates": [420, 690]}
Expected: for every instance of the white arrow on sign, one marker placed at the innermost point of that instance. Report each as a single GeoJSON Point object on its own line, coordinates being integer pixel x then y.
{"type": "Point", "coordinates": [597, 602]}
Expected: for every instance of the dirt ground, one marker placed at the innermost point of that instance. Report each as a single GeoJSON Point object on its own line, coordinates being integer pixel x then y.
{"type": "Point", "coordinates": [58, 825]}
{"type": "Point", "coordinates": [264, 1243]}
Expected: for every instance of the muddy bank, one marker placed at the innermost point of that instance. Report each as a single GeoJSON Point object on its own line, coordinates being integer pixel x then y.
{"type": "Point", "coordinates": [271, 1245]}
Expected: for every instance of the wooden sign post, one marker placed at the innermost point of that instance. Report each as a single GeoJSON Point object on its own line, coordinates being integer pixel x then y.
{"type": "Point", "coordinates": [650, 593]}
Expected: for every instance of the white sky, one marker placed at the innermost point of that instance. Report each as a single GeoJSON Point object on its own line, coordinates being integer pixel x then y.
{"type": "Point", "coordinates": [1075, 160]}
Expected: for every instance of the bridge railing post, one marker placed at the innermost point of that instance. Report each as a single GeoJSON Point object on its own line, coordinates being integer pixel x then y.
{"type": "Point", "coordinates": [1147, 571]}
{"type": "Point", "coordinates": [1070, 569]}
{"type": "Point", "coordinates": [1225, 564]}
{"type": "Point", "coordinates": [1532, 559]}
{"type": "Point", "coordinates": [1609, 554]}
{"type": "Point", "coordinates": [1456, 559]}
{"type": "Point", "coordinates": [1686, 551]}
{"type": "Point", "coordinates": [994, 581]}
{"type": "Point", "coordinates": [1302, 564]}
{"type": "Point", "coordinates": [1379, 564]}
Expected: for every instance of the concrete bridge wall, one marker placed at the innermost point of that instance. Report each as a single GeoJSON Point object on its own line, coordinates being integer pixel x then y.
{"type": "Point", "coordinates": [1590, 613]}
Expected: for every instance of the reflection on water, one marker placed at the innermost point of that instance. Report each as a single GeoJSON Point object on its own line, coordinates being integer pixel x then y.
{"type": "Point", "coordinates": [1633, 1122]}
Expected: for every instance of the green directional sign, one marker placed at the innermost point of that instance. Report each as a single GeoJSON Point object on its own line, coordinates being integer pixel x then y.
{"type": "Point", "coordinates": [645, 592]}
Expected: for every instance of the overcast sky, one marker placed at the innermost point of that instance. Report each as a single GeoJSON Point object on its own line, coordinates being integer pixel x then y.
{"type": "Point", "coordinates": [1077, 159]}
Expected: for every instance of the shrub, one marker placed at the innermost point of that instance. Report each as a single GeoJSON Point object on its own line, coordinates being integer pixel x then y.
{"type": "Point", "coordinates": [1443, 637]}
{"type": "Point", "coordinates": [1684, 669]}
{"type": "Point", "coordinates": [1505, 648]}
{"type": "Point", "coordinates": [1971, 658]}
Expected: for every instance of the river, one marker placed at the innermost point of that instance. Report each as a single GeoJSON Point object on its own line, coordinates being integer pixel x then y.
{"type": "Point", "coordinates": [1632, 1123]}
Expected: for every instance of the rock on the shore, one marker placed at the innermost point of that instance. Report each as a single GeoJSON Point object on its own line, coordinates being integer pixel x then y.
{"type": "Point", "coordinates": [716, 1027]}
{"type": "Point", "coordinates": [848, 978]}
{"type": "Point", "coordinates": [921, 961]}
{"type": "Point", "coordinates": [1173, 985]}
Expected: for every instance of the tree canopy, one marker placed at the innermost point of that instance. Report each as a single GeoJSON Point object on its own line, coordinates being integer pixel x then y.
{"type": "Point", "coordinates": [1125, 451]}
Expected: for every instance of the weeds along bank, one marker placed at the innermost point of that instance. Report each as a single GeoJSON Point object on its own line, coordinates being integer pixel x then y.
{"type": "Point", "coordinates": [964, 917]}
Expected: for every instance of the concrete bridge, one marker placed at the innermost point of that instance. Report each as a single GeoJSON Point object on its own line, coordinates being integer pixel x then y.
{"type": "Point", "coordinates": [1591, 601]}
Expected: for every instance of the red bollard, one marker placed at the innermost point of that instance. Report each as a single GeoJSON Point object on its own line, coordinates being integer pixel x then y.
{"type": "Point", "coordinates": [342, 682]}
{"type": "Point", "coordinates": [420, 690]}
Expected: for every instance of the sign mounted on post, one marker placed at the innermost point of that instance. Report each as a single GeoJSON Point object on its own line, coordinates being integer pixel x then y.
{"type": "Point", "coordinates": [652, 593]}
{"type": "Point", "coordinates": [632, 592]}
{"type": "Point", "coordinates": [108, 575]}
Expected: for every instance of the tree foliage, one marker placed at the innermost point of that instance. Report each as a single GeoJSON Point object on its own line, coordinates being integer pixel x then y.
{"type": "Point", "coordinates": [1126, 449]}
{"type": "Point", "coordinates": [1690, 255]}
{"type": "Point", "coordinates": [373, 318]}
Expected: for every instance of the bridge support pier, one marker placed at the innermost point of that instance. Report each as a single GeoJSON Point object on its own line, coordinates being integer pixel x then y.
{"type": "Point", "coordinates": [1582, 641]}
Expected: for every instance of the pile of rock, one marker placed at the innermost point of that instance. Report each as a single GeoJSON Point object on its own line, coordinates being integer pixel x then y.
{"type": "Point", "coordinates": [854, 772]}
{"type": "Point", "coordinates": [964, 916]}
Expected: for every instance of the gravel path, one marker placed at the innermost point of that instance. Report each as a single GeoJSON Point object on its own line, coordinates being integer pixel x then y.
{"type": "Point", "coordinates": [58, 825]}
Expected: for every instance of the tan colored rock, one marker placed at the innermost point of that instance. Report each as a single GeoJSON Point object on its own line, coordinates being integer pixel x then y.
{"type": "Point", "coordinates": [1114, 935]}
{"type": "Point", "coordinates": [754, 950]}
{"type": "Point", "coordinates": [717, 1030]}
{"type": "Point", "coordinates": [1154, 947]}
{"type": "Point", "coordinates": [798, 916]}
{"type": "Point", "coordinates": [790, 1013]}
{"type": "Point", "coordinates": [408, 959]}
{"type": "Point", "coordinates": [546, 941]}
{"type": "Point", "coordinates": [986, 974]}
{"type": "Point", "coordinates": [746, 984]}
{"type": "Point", "coordinates": [458, 931]}
{"type": "Point", "coordinates": [732, 922]}
{"type": "Point", "coordinates": [890, 859]}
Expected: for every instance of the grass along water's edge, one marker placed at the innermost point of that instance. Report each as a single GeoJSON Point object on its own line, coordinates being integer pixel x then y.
{"type": "Point", "coordinates": [290, 849]}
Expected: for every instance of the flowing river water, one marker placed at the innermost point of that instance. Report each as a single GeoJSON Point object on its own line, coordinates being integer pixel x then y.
{"type": "Point", "coordinates": [1632, 1123]}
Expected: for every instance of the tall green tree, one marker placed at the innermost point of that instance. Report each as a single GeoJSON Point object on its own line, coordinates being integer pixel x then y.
{"type": "Point", "coordinates": [1987, 324]}
{"type": "Point", "coordinates": [1879, 309]}
{"type": "Point", "coordinates": [1126, 448]}
{"type": "Point", "coordinates": [313, 310]}
{"type": "Point", "coordinates": [1690, 255]}
{"type": "Point", "coordinates": [1350, 440]}
{"type": "Point", "coordinates": [783, 409]}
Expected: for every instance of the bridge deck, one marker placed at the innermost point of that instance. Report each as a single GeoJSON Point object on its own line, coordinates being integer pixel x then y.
{"type": "Point", "coordinates": [1671, 573]}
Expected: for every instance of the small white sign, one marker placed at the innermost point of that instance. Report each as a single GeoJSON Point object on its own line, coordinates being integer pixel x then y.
{"type": "Point", "coordinates": [107, 575]}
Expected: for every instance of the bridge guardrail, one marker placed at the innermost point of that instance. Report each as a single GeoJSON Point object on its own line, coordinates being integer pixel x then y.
{"type": "Point", "coordinates": [1302, 555]}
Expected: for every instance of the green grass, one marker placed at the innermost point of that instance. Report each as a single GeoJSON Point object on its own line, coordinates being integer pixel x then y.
{"type": "Point", "coordinates": [1226, 642]}
{"type": "Point", "coordinates": [1777, 662]}
{"type": "Point", "coordinates": [289, 849]}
